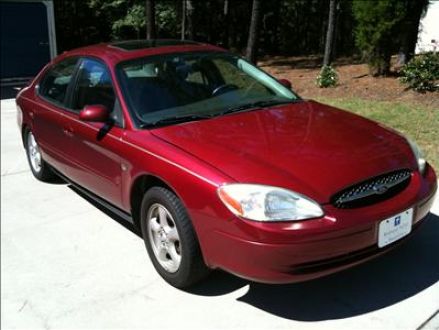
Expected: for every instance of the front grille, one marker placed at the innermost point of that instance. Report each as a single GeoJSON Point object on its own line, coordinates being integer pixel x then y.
{"type": "Point", "coordinates": [372, 190]}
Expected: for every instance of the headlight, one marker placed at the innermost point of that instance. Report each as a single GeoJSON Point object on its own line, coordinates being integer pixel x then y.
{"type": "Point", "coordinates": [419, 155]}
{"type": "Point", "coordinates": [265, 203]}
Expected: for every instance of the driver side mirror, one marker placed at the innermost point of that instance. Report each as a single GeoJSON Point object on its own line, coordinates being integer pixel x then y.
{"type": "Point", "coordinates": [94, 113]}
{"type": "Point", "coordinates": [285, 82]}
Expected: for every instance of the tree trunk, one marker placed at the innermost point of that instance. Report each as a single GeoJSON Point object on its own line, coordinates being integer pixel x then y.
{"type": "Point", "coordinates": [379, 61]}
{"type": "Point", "coordinates": [150, 19]}
{"type": "Point", "coordinates": [190, 19]}
{"type": "Point", "coordinates": [336, 32]}
{"type": "Point", "coordinates": [275, 37]}
{"type": "Point", "coordinates": [330, 33]}
{"type": "Point", "coordinates": [183, 20]}
{"type": "Point", "coordinates": [251, 53]}
{"type": "Point", "coordinates": [226, 24]}
{"type": "Point", "coordinates": [411, 30]}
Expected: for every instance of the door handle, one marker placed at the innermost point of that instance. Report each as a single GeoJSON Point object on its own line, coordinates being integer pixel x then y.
{"type": "Point", "coordinates": [68, 131]}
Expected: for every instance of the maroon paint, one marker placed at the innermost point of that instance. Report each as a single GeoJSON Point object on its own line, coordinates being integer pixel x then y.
{"type": "Point", "coordinates": [95, 113]}
{"type": "Point", "coordinates": [307, 147]}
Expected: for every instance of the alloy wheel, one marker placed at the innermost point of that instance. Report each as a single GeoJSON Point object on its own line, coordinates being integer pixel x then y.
{"type": "Point", "coordinates": [164, 237]}
{"type": "Point", "coordinates": [34, 152]}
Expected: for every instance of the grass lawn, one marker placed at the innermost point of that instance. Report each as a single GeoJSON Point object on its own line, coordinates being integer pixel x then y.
{"type": "Point", "coordinates": [417, 122]}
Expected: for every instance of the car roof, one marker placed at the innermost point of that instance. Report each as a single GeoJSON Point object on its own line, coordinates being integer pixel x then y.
{"type": "Point", "coordinates": [114, 52]}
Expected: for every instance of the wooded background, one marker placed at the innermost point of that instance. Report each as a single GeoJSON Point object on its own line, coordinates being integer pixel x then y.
{"type": "Point", "coordinates": [371, 29]}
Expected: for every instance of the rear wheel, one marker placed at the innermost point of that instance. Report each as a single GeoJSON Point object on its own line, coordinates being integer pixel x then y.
{"type": "Point", "coordinates": [170, 238]}
{"type": "Point", "coordinates": [40, 169]}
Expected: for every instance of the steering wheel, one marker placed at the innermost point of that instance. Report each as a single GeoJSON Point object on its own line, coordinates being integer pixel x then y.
{"type": "Point", "coordinates": [224, 88]}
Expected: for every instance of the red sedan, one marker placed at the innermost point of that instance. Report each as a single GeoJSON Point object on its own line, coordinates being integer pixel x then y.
{"type": "Point", "coordinates": [221, 165]}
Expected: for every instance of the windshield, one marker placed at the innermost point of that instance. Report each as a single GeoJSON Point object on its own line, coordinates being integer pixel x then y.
{"type": "Point", "coordinates": [191, 86]}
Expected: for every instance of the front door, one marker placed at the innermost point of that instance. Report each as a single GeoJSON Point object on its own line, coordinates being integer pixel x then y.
{"type": "Point", "coordinates": [96, 147]}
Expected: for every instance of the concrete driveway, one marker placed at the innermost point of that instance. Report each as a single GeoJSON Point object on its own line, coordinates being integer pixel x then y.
{"type": "Point", "coordinates": [67, 264]}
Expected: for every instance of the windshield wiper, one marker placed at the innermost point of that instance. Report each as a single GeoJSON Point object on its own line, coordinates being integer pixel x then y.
{"type": "Point", "coordinates": [174, 120]}
{"type": "Point", "coordinates": [253, 105]}
{"type": "Point", "coordinates": [192, 117]}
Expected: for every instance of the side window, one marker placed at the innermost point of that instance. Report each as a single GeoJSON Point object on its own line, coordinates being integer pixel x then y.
{"type": "Point", "coordinates": [56, 81]}
{"type": "Point", "coordinates": [236, 77]}
{"type": "Point", "coordinates": [94, 86]}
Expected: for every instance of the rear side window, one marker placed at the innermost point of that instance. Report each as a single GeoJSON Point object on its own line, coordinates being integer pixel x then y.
{"type": "Point", "coordinates": [56, 81]}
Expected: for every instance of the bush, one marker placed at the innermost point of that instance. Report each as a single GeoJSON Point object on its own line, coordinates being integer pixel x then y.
{"type": "Point", "coordinates": [422, 73]}
{"type": "Point", "coordinates": [327, 77]}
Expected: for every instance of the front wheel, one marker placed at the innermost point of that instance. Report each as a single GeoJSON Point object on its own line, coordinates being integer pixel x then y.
{"type": "Point", "coordinates": [40, 169]}
{"type": "Point", "coordinates": [170, 239]}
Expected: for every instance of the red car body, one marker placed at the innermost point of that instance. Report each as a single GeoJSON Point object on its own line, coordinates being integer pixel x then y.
{"type": "Point", "coordinates": [306, 147]}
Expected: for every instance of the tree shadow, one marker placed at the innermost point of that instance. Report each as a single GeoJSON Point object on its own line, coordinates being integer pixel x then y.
{"type": "Point", "coordinates": [387, 280]}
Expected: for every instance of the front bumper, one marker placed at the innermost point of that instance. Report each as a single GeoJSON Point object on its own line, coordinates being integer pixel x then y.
{"type": "Point", "coordinates": [303, 250]}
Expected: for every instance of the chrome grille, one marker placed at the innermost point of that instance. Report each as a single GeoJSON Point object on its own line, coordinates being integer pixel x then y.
{"type": "Point", "coordinates": [373, 190]}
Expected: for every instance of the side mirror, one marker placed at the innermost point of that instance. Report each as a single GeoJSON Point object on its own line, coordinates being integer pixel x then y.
{"type": "Point", "coordinates": [95, 113]}
{"type": "Point", "coordinates": [285, 82]}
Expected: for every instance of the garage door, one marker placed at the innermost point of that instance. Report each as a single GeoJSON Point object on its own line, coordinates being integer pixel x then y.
{"type": "Point", "coordinates": [24, 38]}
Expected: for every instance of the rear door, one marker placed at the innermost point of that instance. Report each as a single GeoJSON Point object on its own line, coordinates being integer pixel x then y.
{"type": "Point", "coordinates": [96, 147]}
{"type": "Point", "coordinates": [51, 116]}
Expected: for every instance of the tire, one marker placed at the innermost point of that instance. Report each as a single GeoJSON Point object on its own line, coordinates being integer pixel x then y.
{"type": "Point", "coordinates": [170, 239]}
{"type": "Point", "coordinates": [40, 169]}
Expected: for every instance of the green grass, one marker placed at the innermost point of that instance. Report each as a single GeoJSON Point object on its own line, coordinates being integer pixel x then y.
{"type": "Point", "coordinates": [419, 123]}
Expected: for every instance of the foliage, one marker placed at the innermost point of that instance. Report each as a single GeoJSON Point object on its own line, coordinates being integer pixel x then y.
{"type": "Point", "coordinates": [287, 27]}
{"type": "Point", "coordinates": [327, 77]}
{"type": "Point", "coordinates": [377, 24]}
{"type": "Point", "coordinates": [422, 73]}
{"type": "Point", "coordinates": [166, 19]}
{"type": "Point", "coordinates": [134, 18]}
{"type": "Point", "coordinates": [417, 122]}
{"type": "Point", "coordinates": [293, 27]}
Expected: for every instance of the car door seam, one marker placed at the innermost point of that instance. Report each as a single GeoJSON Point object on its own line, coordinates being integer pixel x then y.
{"type": "Point", "coordinates": [132, 145]}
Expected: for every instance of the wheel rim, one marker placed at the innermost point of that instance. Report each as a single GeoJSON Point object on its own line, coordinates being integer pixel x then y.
{"type": "Point", "coordinates": [164, 237]}
{"type": "Point", "coordinates": [34, 153]}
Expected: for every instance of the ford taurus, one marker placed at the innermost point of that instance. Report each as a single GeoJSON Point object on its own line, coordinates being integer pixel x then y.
{"type": "Point", "coordinates": [219, 164]}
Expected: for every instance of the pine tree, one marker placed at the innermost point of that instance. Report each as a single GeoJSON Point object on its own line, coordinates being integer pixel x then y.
{"type": "Point", "coordinates": [377, 31]}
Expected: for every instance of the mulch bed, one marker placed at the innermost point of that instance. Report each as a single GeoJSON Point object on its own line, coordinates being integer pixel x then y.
{"type": "Point", "coordinates": [354, 81]}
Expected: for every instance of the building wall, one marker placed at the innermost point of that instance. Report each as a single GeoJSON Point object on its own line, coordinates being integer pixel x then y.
{"type": "Point", "coordinates": [429, 30]}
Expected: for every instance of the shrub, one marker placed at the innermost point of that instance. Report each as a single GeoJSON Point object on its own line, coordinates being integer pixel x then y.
{"type": "Point", "coordinates": [327, 77]}
{"type": "Point", "coordinates": [422, 73]}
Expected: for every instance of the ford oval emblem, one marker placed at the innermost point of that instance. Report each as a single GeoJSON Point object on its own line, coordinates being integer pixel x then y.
{"type": "Point", "coordinates": [380, 189]}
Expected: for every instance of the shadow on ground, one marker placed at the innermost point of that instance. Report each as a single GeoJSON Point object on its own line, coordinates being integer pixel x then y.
{"type": "Point", "coordinates": [382, 282]}
{"type": "Point", "coordinates": [124, 223]}
{"type": "Point", "coordinates": [8, 92]}
{"type": "Point", "coordinates": [387, 280]}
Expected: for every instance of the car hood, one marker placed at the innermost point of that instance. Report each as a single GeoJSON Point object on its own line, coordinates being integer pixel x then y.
{"type": "Point", "coordinates": [308, 147]}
